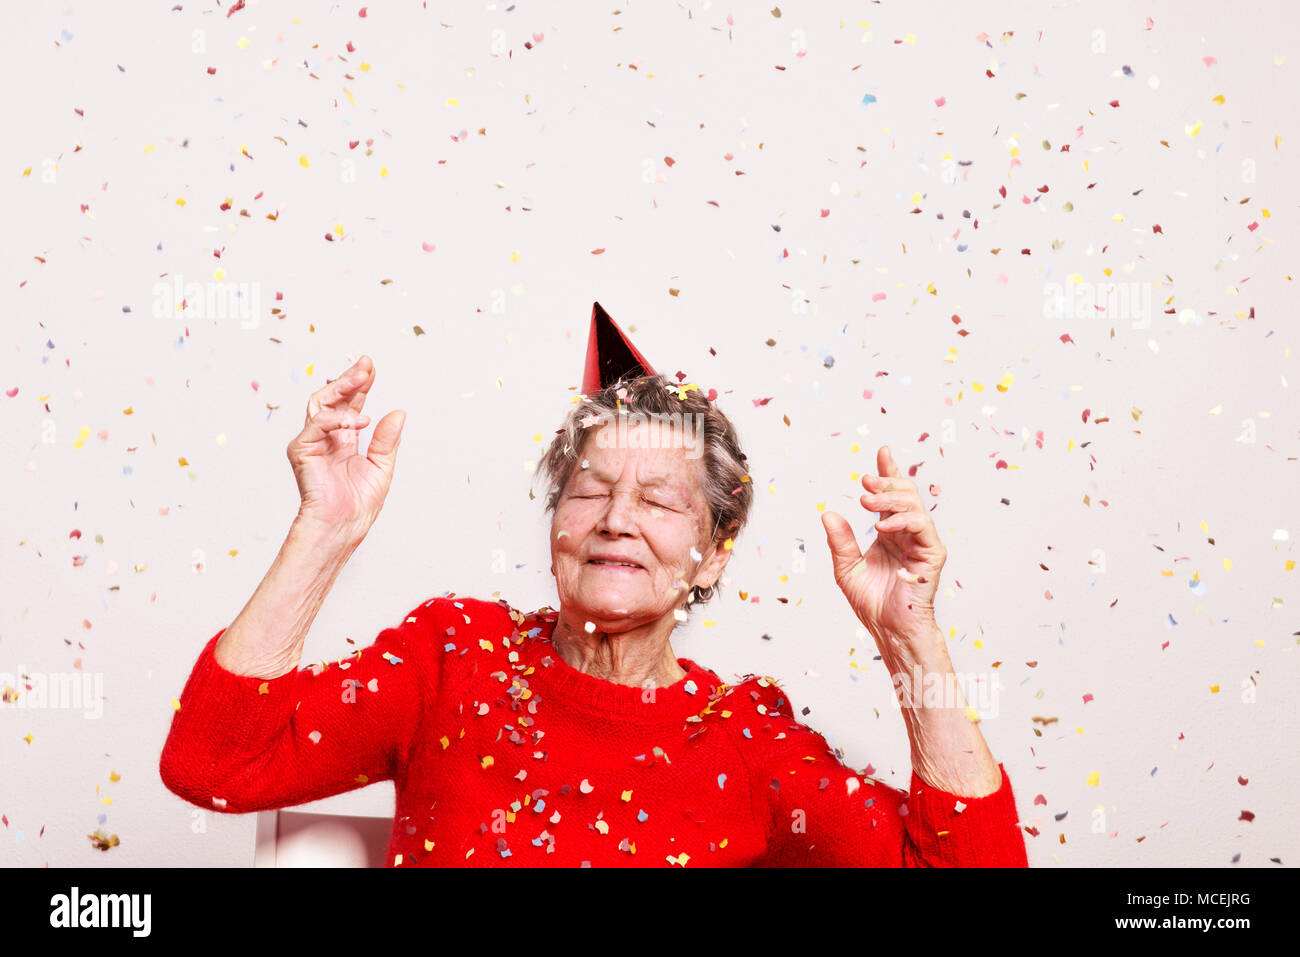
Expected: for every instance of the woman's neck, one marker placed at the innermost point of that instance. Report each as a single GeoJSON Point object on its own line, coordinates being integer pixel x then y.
{"type": "Point", "coordinates": [641, 657]}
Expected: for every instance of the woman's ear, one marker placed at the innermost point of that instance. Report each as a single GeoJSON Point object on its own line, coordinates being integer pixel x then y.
{"type": "Point", "coordinates": [712, 568]}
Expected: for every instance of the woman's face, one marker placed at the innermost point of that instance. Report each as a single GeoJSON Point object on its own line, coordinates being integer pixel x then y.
{"type": "Point", "coordinates": [639, 500]}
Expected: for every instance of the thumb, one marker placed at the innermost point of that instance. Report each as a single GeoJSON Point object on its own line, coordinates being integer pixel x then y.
{"type": "Point", "coordinates": [383, 444]}
{"type": "Point", "coordinates": [843, 544]}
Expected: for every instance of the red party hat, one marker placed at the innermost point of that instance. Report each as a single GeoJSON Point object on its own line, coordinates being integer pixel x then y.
{"type": "Point", "coordinates": [610, 354]}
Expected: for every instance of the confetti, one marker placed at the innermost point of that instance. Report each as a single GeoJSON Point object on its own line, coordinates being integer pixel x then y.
{"type": "Point", "coordinates": [1014, 323]}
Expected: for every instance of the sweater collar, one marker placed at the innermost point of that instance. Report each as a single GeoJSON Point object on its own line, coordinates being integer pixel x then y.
{"type": "Point", "coordinates": [566, 685]}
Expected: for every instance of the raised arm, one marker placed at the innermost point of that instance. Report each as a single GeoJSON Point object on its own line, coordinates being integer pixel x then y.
{"type": "Point", "coordinates": [959, 808]}
{"type": "Point", "coordinates": [341, 495]}
{"type": "Point", "coordinates": [253, 732]}
{"type": "Point", "coordinates": [891, 588]}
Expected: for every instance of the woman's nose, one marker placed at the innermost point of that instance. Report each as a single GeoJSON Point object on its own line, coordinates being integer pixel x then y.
{"type": "Point", "coordinates": [619, 516]}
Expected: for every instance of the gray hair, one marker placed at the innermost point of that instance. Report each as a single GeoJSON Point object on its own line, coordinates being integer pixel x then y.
{"type": "Point", "coordinates": [727, 488]}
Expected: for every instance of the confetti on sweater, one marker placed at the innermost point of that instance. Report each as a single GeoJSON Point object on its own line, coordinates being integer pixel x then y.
{"type": "Point", "coordinates": [546, 728]}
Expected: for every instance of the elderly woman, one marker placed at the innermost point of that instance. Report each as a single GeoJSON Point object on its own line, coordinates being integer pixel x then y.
{"type": "Point", "coordinates": [576, 737]}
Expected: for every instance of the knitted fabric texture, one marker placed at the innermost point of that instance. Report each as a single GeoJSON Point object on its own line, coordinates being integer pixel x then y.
{"type": "Point", "coordinates": [504, 755]}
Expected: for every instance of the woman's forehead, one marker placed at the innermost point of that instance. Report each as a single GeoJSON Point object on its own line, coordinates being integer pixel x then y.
{"type": "Point", "coordinates": [646, 466]}
{"type": "Point", "coordinates": [668, 464]}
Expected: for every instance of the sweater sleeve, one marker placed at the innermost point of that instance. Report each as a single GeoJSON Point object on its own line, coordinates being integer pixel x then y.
{"type": "Point", "coordinates": [240, 744]}
{"type": "Point", "coordinates": [824, 814]}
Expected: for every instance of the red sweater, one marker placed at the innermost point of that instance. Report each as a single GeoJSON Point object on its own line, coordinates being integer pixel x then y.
{"type": "Point", "coordinates": [504, 755]}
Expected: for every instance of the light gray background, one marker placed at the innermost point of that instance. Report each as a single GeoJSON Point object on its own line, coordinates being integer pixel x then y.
{"type": "Point", "coordinates": [1195, 465]}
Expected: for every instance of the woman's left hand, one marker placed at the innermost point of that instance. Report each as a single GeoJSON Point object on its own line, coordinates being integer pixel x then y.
{"type": "Point", "coordinates": [892, 585]}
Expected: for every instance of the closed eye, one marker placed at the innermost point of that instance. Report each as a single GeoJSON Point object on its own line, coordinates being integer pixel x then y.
{"type": "Point", "coordinates": [644, 498]}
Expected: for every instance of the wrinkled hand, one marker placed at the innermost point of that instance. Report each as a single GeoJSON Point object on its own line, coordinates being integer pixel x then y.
{"type": "Point", "coordinates": [892, 586]}
{"type": "Point", "coordinates": [340, 489]}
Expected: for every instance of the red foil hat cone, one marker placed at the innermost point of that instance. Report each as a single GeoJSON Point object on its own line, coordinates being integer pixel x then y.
{"type": "Point", "coordinates": [610, 355]}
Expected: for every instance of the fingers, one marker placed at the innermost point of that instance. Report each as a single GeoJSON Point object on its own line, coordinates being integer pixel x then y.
{"type": "Point", "coordinates": [888, 502]}
{"type": "Point", "coordinates": [885, 462]}
{"type": "Point", "coordinates": [331, 420]}
{"type": "Point", "coordinates": [917, 524]}
{"type": "Point", "coordinates": [364, 367]}
{"type": "Point", "coordinates": [843, 544]}
{"type": "Point", "coordinates": [903, 497]}
{"type": "Point", "coordinates": [888, 483]}
{"type": "Point", "coordinates": [348, 390]}
{"type": "Point", "coordinates": [898, 502]}
{"type": "Point", "coordinates": [387, 437]}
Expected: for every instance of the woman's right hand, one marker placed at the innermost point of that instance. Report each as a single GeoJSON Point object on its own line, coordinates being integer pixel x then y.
{"type": "Point", "coordinates": [341, 490]}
